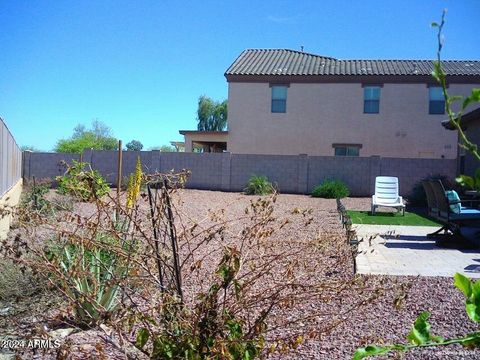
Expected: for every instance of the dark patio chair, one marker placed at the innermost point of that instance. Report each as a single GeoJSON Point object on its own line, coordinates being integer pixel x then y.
{"type": "Point", "coordinates": [431, 201]}
{"type": "Point", "coordinates": [442, 212]}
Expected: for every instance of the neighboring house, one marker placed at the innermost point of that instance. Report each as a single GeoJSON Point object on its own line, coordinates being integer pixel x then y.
{"type": "Point", "coordinates": [178, 145]}
{"type": "Point", "coordinates": [205, 141]}
{"type": "Point", "coordinates": [467, 163]}
{"type": "Point", "coordinates": [290, 102]}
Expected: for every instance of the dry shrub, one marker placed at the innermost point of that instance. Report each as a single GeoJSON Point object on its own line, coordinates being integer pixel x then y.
{"type": "Point", "coordinates": [16, 281]}
{"type": "Point", "coordinates": [176, 287]}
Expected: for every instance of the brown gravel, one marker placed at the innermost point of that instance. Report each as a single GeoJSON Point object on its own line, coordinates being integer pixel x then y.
{"type": "Point", "coordinates": [373, 322]}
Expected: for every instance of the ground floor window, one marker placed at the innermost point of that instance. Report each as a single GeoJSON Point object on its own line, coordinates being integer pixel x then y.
{"type": "Point", "coordinates": [347, 149]}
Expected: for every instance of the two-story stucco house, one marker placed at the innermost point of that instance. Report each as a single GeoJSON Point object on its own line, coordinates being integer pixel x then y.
{"type": "Point", "coordinates": [290, 102]}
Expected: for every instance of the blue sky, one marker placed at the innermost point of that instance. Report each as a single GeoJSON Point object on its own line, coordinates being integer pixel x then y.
{"type": "Point", "coordinates": [140, 66]}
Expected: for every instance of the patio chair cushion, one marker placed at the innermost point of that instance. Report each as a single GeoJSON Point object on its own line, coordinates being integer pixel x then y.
{"type": "Point", "coordinates": [466, 214]}
{"type": "Point", "coordinates": [454, 200]}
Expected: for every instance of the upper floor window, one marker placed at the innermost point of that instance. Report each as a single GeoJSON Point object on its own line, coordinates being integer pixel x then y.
{"type": "Point", "coordinates": [346, 150]}
{"type": "Point", "coordinates": [437, 101]}
{"type": "Point", "coordinates": [371, 99]}
{"type": "Point", "coordinates": [279, 98]}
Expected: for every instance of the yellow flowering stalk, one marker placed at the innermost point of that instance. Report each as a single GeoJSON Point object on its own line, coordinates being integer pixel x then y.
{"type": "Point", "coordinates": [134, 184]}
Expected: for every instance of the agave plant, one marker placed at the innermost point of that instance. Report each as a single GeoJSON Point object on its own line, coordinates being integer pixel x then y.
{"type": "Point", "coordinates": [91, 281]}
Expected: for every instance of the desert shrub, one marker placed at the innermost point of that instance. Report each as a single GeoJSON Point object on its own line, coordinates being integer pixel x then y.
{"type": "Point", "coordinates": [82, 182]}
{"type": "Point", "coordinates": [117, 268]}
{"type": "Point", "coordinates": [209, 330]}
{"type": "Point", "coordinates": [470, 182]}
{"type": "Point", "coordinates": [34, 196]}
{"type": "Point", "coordinates": [16, 281]}
{"type": "Point", "coordinates": [417, 196]}
{"type": "Point", "coordinates": [331, 189]}
{"type": "Point", "coordinates": [259, 185]}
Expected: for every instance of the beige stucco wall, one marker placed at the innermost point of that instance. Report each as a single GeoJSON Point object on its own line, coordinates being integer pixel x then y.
{"type": "Point", "coordinates": [319, 115]}
{"type": "Point", "coordinates": [7, 201]}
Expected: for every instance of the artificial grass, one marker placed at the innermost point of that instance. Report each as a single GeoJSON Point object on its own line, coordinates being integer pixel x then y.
{"type": "Point", "coordinates": [390, 218]}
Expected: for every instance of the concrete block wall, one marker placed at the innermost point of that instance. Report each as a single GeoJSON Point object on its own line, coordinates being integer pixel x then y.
{"type": "Point", "coordinates": [230, 172]}
{"type": "Point", "coordinates": [280, 169]}
{"type": "Point", "coordinates": [45, 165]}
{"type": "Point", "coordinates": [410, 171]}
{"type": "Point", "coordinates": [206, 168]}
{"type": "Point", "coordinates": [353, 171]}
{"type": "Point", "coordinates": [106, 162]}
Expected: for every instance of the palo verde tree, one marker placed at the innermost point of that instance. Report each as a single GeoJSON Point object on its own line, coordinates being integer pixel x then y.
{"type": "Point", "coordinates": [211, 115]}
{"type": "Point", "coordinates": [98, 137]}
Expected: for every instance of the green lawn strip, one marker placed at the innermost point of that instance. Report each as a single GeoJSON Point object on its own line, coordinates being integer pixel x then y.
{"type": "Point", "coordinates": [389, 218]}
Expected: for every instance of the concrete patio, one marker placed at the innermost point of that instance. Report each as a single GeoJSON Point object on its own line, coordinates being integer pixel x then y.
{"type": "Point", "coordinates": [405, 250]}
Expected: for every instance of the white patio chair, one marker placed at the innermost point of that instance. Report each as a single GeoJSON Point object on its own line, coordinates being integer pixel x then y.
{"type": "Point", "coordinates": [386, 194]}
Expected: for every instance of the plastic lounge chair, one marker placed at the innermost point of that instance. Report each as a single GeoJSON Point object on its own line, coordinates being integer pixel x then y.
{"type": "Point", "coordinates": [386, 194]}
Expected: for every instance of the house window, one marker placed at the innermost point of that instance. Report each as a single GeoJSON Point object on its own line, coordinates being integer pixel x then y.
{"type": "Point", "coordinates": [279, 99]}
{"type": "Point", "coordinates": [437, 101]}
{"type": "Point", "coordinates": [371, 99]}
{"type": "Point", "coordinates": [346, 150]}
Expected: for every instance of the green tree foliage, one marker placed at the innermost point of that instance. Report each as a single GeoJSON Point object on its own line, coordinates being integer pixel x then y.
{"type": "Point", "coordinates": [134, 145]}
{"type": "Point", "coordinates": [162, 148]}
{"type": "Point", "coordinates": [29, 148]}
{"type": "Point", "coordinates": [470, 182]}
{"type": "Point", "coordinates": [211, 115]}
{"type": "Point", "coordinates": [167, 148]}
{"type": "Point", "coordinates": [98, 137]}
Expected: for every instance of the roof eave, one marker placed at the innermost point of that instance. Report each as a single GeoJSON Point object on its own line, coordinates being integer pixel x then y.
{"type": "Point", "coordinates": [185, 132]}
{"type": "Point", "coordinates": [364, 78]}
{"type": "Point", "coordinates": [465, 120]}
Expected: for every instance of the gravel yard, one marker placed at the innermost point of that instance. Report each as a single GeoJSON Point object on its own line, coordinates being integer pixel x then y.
{"type": "Point", "coordinates": [332, 326]}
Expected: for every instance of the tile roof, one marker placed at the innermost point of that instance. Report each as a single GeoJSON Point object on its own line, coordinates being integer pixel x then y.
{"type": "Point", "coordinates": [291, 62]}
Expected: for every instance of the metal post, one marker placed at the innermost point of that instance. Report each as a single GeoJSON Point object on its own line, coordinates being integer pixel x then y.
{"type": "Point", "coordinates": [119, 176]}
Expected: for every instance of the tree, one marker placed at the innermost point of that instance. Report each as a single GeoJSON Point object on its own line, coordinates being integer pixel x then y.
{"type": "Point", "coordinates": [134, 145]}
{"type": "Point", "coordinates": [29, 148]}
{"type": "Point", "coordinates": [167, 148]}
{"type": "Point", "coordinates": [162, 148]}
{"type": "Point", "coordinates": [99, 137]}
{"type": "Point", "coordinates": [211, 115]}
